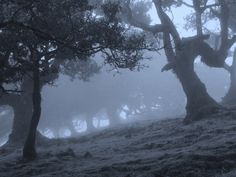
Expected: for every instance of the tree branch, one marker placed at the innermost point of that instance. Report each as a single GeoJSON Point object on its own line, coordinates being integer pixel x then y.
{"type": "Point", "coordinates": [132, 21]}
{"type": "Point", "coordinates": [165, 20]}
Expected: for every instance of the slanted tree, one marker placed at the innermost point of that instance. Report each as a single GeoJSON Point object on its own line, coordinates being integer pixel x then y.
{"type": "Point", "coordinates": [207, 11]}
{"type": "Point", "coordinates": [182, 52]}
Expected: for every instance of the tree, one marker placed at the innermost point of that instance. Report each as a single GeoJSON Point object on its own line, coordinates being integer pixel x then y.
{"type": "Point", "coordinates": [213, 13]}
{"type": "Point", "coordinates": [19, 102]}
{"type": "Point", "coordinates": [38, 44]}
{"type": "Point", "coordinates": [181, 53]}
{"type": "Point", "coordinates": [230, 97]}
{"type": "Point", "coordinates": [76, 69]}
{"type": "Point", "coordinates": [227, 20]}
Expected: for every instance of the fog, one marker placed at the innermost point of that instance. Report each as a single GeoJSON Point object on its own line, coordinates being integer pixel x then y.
{"type": "Point", "coordinates": [108, 88]}
{"type": "Point", "coordinates": [113, 96]}
{"type": "Point", "coordinates": [116, 96]}
{"type": "Point", "coordinates": [123, 95]}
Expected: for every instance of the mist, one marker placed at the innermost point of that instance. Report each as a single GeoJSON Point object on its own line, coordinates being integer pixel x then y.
{"type": "Point", "coordinates": [109, 88]}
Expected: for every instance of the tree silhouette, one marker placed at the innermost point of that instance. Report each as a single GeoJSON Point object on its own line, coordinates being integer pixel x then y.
{"type": "Point", "coordinates": [182, 52]}
{"type": "Point", "coordinates": [43, 34]}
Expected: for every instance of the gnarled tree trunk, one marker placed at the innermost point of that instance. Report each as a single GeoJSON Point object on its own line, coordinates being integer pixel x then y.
{"type": "Point", "coordinates": [199, 102]}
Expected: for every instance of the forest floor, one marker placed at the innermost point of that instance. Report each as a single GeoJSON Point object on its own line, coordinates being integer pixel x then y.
{"type": "Point", "coordinates": [165, 148]}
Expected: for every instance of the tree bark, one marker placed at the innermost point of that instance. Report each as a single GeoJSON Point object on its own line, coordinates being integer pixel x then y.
{"type": "Point", "coordinates": [230, 97]}
{"type": "Point", "coordinates": [29, 151]}
{"type": "Point", "coordinates": [199, 102]}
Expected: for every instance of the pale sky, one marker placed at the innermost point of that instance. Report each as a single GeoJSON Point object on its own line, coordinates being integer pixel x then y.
{"type": "Point", "coordinates": [178, 16]}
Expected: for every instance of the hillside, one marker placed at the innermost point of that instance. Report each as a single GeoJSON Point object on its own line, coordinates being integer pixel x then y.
{"type": "Point", "coordinates": [166, 148]}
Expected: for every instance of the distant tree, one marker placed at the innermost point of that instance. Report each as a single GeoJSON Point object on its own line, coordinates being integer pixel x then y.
{"type": "Point", "coordinates": [19, 102]}
{"type": "Point", "coordinates": [5, 120]}
{"type": "Point", "coordinates": [81, 69]}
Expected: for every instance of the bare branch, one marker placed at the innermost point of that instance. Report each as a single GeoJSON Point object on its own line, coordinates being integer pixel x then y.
{"type": "Point", "coordinates": [166, 21]}
{"type": "Point", "coordinates": [132, 21]}
{"type": "Point", "coordinates": [198, 11]}
{"type": "Point", "coordinates": [186, 4]}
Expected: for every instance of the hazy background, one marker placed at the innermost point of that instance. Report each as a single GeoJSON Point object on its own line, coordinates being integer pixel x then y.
{"type": "Point", "coordinates": [131, 95]}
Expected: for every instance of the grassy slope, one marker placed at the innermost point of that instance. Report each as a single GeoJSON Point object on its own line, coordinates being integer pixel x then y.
{"type": "Point", "coordinates": [144, 149]}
